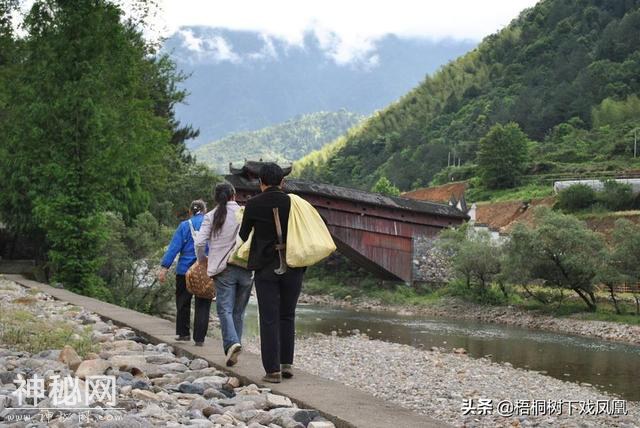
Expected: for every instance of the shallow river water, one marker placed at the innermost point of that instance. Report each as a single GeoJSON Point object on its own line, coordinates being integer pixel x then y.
{"type": "Point", "coordinates": [613, 367]}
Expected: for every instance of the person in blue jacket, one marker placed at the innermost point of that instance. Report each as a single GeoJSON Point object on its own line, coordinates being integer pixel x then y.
{"type": "Point", "coordinates": [182, 243]}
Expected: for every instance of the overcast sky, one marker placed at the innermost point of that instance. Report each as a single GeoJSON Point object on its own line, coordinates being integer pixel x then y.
{"type": "Point", "coordinates": [350, 26]}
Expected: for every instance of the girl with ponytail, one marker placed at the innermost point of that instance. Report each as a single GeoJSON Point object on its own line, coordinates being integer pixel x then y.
{"type": "Point", "coordinates": [233, 283]}
{"type": "Point", "coordinates": [222, 194]}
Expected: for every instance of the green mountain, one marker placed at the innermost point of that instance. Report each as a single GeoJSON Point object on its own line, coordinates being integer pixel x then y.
{"type": "Point", "coordinates": [284, 143]}
{"type": "Point", "coordinates": [566, 72]}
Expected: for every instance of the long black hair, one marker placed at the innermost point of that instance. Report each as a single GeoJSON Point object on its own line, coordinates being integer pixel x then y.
{"type": "Point", "coordinates": [222, 194]}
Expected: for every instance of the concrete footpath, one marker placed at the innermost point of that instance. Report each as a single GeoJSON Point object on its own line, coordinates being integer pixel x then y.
{"type": "Point", "coordinates": [343, 405]}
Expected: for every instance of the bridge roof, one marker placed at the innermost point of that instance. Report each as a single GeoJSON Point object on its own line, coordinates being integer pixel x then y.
{"type": "Point", "coordinates": [355, 195]}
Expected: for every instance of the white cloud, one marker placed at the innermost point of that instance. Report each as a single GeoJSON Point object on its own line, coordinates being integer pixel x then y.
{"type": "Point", "coordinates": [214, 47]}
{"type": "Point", "coordinates": [268, 50]}
{"type": "Point", "coordinates": [220, 49]}
{"type": "Point", "coordinates": [348, 29]}
{"type": "Point", "coordinates": [190, 41]}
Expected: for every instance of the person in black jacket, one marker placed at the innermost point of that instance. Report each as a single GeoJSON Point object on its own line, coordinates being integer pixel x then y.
{"type": "Point", "coordinates": [277, 294]}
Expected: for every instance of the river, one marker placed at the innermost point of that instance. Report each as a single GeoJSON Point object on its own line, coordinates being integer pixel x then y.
{"type": "Point", "coordinates": [612, 367]}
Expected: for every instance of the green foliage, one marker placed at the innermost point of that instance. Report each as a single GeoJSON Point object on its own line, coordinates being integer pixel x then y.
{"type": "Point", "coordinates": [502, 156]}
{"type": "Point", "coordinates": [90, 130]}
{"type": "Point", "coordinates": [477, 192]}
{"type": "Point", "coordinates": [133, 253]}
{"type": "Point", "coordinates": [616, 196]}
{"type": "Point", "coordinates": [613, 112]}
{"type": "Point", "coordinates": [188, 182]}
{"type": "Point", "coordinates": [577, 197]}
{"type": "Point", "coordinates": [547, 71]}
{"type": "Point", "coordinates": [283, 143]}
{"type": "Point", "coordinates": [454, 173]}
{"type": "Point", "coordinates": [560, 250]}
{"type": "Point", "coordinates": [626, 241]}
{"type": "Point", "coordinates": [385, 187]}
{"type": "Point", "coordinates": [613, 196]}
{"type": "Point", "coordinates": [475, 257]}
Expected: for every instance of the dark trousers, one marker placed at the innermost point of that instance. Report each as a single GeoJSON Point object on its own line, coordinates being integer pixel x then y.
{"type": "Point", "coordinates": [277, 300]}
{"type": "Point", "coordinates": [183, 312]}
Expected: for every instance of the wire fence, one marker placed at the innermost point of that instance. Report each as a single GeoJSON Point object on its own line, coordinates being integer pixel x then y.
{"type": "Point", "coordinates": [623, 288]}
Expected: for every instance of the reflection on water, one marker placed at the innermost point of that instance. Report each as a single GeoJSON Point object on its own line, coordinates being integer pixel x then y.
{"type": "Point", "coordinates": [610, 366]}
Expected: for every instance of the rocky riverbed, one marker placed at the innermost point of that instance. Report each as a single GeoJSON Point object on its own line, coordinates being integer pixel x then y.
{"type": "Point", "coordinates": [437, 383]}
{"type": "Point", "coordinates": [458, 309]}
{"type": "Point", "coordinates": [152, 386]}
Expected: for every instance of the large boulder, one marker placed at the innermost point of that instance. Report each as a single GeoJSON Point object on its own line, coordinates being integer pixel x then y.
{"type": "Point", "coordinates": [70, 357]}
{"type": "Point", "coordinates": [128, 362]}
{"type": "Point", "coordinates": [92, 368]}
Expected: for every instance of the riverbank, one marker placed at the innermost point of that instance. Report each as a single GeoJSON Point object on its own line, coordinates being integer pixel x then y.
{"type": "Point", "coordinates": [436, 383]}
{"type": "Point", "coordinates": [455, 308]}
{"type": "Point", "coordinates": [152, 386]}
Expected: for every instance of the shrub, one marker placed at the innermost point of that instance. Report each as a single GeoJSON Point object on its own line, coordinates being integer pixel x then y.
{"type": "Point", "coordinates": [616, 196]}
{"type": "Point", "coordinates": [385, 187]}
{"type": "Point", "coordinates": [575, 198]}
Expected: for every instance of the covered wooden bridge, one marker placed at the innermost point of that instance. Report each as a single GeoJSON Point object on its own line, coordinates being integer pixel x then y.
{"type": "Point", "coordinates": [373, 230]}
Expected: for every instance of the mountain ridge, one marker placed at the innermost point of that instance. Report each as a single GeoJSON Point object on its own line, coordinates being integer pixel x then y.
{"type": "Point", "coordinates": [555, 68]}
{"type": "Point", "coordinates": [245, 81]}
{"type": "Point", "coordinates": [283, 143]}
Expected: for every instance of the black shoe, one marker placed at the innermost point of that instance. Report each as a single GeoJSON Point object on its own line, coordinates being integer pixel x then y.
{"type": "Point", "coordinates": [183, 338]}
{"type": "Point", "coordinates": [287, 373]}
{"type": "Point", "coordinates": [272, 377]}
{"type": "Point", "coordinates": [199, 343]}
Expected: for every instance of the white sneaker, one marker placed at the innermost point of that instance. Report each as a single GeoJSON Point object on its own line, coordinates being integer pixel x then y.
{"type": "Point", "coordinates": [232, 354]}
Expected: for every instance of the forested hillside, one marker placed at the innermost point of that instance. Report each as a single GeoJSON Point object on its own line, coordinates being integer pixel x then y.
{"type": "Point", "coordinates": [284, 143]}
{"type": "Point", "coordinates": [565, 72]}
{"type": "Point", "coordinates": [244, 80]}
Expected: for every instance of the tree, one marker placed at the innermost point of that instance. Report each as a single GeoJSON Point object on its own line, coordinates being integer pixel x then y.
{"type": "Point", "coordinates": [626, 241]}
{"type": "Point", "coordinates": [133, 253]}
{"type": "Point", "coordinates": [610, 275]}
{"type": "Point", "coordinates": [612, 112]}
{"type": "Point", "coordinates": [385, 187]}
{"type": "Point", "coordinates": [502, 156]}
{"type": "Point", "coordinates": [91, 130]}
{"type": "Point", "coordinates": [8, 60]}
{"type": "Point", "coordinates": [475, 256]}
{"type": "Point", "coordinates": [560, 250]}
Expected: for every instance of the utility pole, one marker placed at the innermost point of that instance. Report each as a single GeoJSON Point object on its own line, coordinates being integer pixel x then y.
{"type": "Point", "coordinates": [635, 143]}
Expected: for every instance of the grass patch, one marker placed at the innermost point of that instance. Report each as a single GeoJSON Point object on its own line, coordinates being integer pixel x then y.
{"type": "Point", "coordinates": [601, 315]}
{"type": "Point", "coordinates": [403, 295]}
{"type": "Point", "coordinates": [25, 300]}
{"type": "Point", "coordinates": [602, 214]}
{"type": "Point", "coordinates": [395, 294]}
{"type": "Point", "coordinates": [523, 193]}
{"type": "Point", "coordinates": [21, 329]}
{"type": "Point", "coordinates": [576, 309]}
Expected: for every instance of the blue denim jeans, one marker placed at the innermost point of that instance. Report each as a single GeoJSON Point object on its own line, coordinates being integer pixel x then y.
{"type": "Point", "coordinates": [233, 289]}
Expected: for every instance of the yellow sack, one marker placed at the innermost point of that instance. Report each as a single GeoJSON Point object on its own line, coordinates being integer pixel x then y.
{"type": "Point", "coordinates": [308, 239]}
{"type": "Point", "coordinates": [240, 254]}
